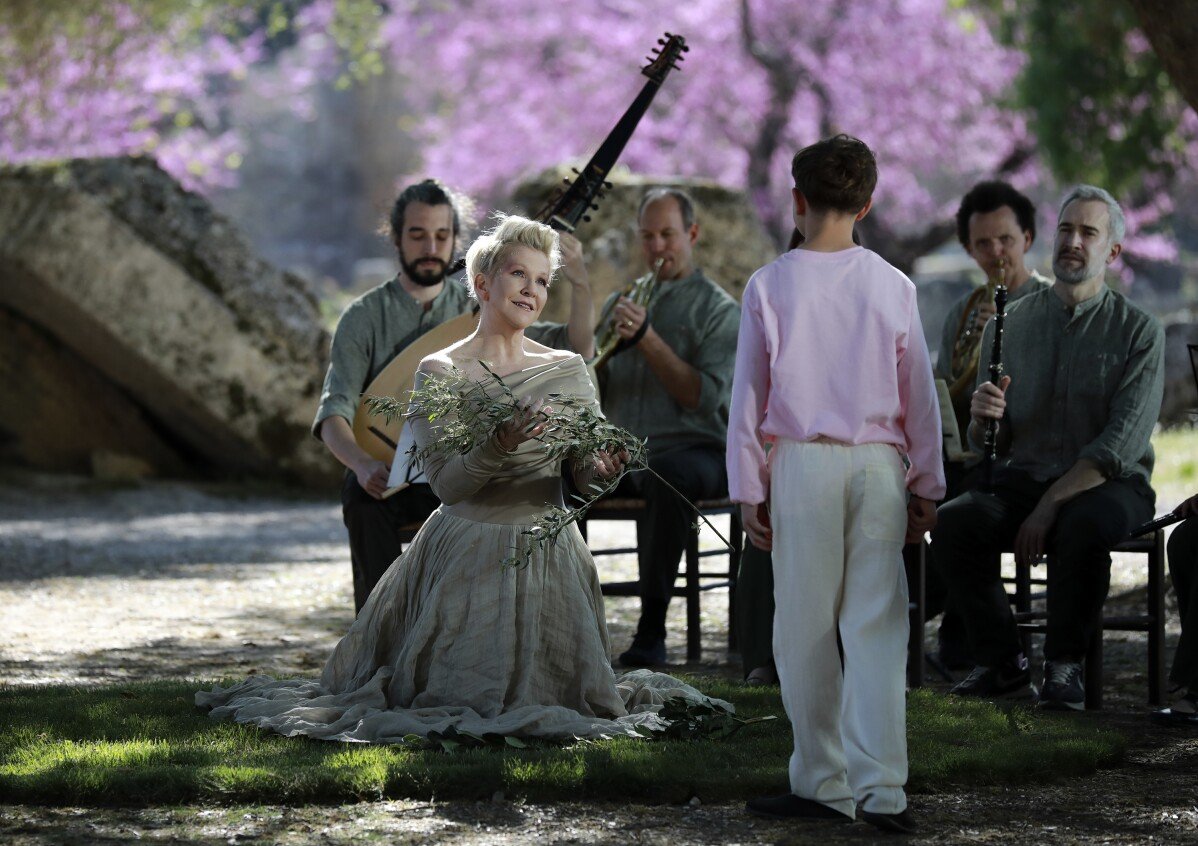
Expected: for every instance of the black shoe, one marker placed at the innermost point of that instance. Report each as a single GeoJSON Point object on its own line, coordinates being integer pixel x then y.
{"type": "Point", "coordinates": [900, 823]}
{"type": "Point", "coordinates": [1008, 680]}
{"type": "Point", "coordinates": [788, 806]}
{"type": "Point", "coordinates": [1183, 713]}
{"type": "Point", "coordinates": [762, 677]}
{"type": "Point", "coordinates": [644, 652]}
{"type": "Point", "coordinates": [1063, 689]}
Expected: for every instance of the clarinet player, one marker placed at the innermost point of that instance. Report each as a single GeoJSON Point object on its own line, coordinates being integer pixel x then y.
{"type": "Point", "coordinates": [1075, 413]}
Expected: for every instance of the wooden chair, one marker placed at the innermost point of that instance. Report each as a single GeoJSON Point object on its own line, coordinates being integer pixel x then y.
{"type": "Point", "coordinates": [916, 603]}
{"type": "Point", "coordinates": [1030, 621]}
{"type": "Point", "coordinates": [407, 533]}
{"type": "Point", "coordinates": [1152, 621]}
{"type": "Point", "coordinates": [696, 580]}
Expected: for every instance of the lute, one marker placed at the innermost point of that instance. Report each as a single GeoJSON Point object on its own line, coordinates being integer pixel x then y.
{"type": "Point", "coordinates": [565, 209]}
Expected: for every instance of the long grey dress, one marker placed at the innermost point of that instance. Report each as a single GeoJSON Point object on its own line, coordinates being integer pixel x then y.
{"type": "Point", "coordinates": [448, 637]}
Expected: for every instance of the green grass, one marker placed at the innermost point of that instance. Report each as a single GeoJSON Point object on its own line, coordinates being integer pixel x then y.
{"type": "Point", "coordinates": [1176, 458]}
{"type": "Point", "coordinates": [147, 744]}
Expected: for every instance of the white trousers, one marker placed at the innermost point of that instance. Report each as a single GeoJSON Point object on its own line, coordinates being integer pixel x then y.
{"type": "Point", "coordinates": [839, 517]}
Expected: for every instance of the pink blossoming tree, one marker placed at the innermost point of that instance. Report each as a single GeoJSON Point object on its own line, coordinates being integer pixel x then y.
{"type": "Point", "coordinates": [513, 91]}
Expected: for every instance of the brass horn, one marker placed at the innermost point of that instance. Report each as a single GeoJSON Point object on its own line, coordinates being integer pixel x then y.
{"type": "Point", "coordinates": [967, 349]}
{"type": "Point", "coordinates": [640, 292]}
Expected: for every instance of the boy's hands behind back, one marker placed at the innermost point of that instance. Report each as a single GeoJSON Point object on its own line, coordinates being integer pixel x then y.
{"type": "Point", "coordinates": [756, 522]}
{"type": "Point", "coordinates": [921, 518]}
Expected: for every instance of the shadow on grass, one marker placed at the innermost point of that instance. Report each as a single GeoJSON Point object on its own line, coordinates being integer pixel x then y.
{"type": "Point", "coordinates": [147, 744]}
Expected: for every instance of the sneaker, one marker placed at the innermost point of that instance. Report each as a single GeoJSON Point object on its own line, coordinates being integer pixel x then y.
{"type": "Point", "coordinates": [788, 806]}
{"type": "Point", "coordinates": [644, 652]}
{"type": "Point", "coordinates": [900, 823]}
{"type": "Point", "coordinates": [1008, 680]}
{"type": "Point", "coordinates": [1183, 713]}
{"type": "Point", "coordinates": [1063, 689]}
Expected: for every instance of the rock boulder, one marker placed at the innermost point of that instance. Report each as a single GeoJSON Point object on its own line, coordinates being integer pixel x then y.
{"type": "Point", "coordinates": [166, 330]}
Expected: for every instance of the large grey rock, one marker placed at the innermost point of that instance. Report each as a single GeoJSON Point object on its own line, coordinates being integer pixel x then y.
{"type": "Point", "coordinates": [160, 296]}
{"type": "Point", "coordinates": [732, 242]}
{"type": "Point", "coordinates": [58, 412]}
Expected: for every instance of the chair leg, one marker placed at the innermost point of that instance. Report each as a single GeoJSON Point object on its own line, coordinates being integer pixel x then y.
{"type": "Point", "coordinates": [917, 603]}
{"type": "Point", "coordinates": [736, 537]}
{"type": "Point", "coordinates": [1023, 602]}
{"type": "Point", "coordinates": [694, 635]}
{"type": "Point", "coordinates": [1156, 621]}
{"type": "Point", "coordinates": [1093, 674]}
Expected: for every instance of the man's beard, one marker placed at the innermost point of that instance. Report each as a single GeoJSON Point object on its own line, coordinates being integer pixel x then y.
{"type": "Point", "coordinates": [1071, 275]}
{"type": "Point", "coordinates": [425, 278]}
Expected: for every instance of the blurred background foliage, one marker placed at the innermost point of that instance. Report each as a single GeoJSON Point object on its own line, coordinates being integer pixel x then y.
{"type": "Point", "coordinates": [1043, 92]}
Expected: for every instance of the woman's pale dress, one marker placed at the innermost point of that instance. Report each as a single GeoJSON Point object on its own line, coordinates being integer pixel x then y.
{"type": "Point", "coordinates": [449, 637]}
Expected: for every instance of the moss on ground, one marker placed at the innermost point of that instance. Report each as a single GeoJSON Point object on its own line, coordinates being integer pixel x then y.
{"type": "Point", "coordinates": [146, 743]}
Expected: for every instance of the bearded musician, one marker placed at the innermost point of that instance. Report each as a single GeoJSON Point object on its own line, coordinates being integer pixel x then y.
{"type": "Point", "coordinates": [425, 222]}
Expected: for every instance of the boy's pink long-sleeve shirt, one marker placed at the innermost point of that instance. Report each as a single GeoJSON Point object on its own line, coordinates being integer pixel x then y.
{"type": "Point", "coordinates": [831, 346]}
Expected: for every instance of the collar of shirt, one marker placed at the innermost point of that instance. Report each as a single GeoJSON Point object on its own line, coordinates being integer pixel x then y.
{"type": "Point", "coordinates": [409, 302]}
{"type": "Point", "coordinates": [1083, 308]}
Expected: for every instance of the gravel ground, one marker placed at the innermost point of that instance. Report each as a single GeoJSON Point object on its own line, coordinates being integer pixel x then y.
{"type": "Point", "coordinates": [163, 580]}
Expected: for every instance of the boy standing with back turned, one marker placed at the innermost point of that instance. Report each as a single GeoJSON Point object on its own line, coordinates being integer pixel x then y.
{"type": "Point", "coordinates": [833, 369]}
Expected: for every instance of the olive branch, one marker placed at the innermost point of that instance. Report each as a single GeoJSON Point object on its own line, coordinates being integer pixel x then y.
{"type": "Point", "coordinates": [468, 412]}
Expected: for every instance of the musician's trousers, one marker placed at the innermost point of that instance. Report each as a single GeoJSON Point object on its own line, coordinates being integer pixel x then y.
{"type": "Point", "coordinates": [698, 472]}
{"type": "Point", "coordinates": [839, 519]}
{"type": "Point", "coordinates": [1183, 568]}
{"type": "Point", "coordinates": [952, 635]}
{"type": "Point", "coordinates": [374, 529]}
{"type": "Point", "coordinates": [974, 528]}
{"type": "Point", "coordinates": [755, 608]}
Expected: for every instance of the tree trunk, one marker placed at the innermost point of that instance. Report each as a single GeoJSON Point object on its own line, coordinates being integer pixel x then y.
{"type": "Point", "coordinates": [1172, 29]}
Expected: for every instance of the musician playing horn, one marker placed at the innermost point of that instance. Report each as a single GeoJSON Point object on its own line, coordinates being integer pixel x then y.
{"type": "Point", "coordinates": [996, 225]}
{"type": "Point", "coordinates": [424, 224]}
{"type": "Point", "coordinates": [1076, 412]}
{"type": "Point", "coordinates": [670, 384]}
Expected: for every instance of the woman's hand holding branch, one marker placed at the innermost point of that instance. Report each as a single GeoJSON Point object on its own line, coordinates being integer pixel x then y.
{"type": "Point", "coordinates": [528, 421]}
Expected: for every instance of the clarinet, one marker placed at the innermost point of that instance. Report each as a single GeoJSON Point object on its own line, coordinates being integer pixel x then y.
{"type": "Point", "coordinates": [990, 440]}
{"type": "Point", "coordinates": [1159, 523]}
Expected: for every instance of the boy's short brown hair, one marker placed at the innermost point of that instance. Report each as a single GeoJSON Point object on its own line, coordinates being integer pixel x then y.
{"type": "Point", "coordinates": [836, 174]}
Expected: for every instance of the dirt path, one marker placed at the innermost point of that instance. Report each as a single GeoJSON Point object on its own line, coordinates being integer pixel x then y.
{"type": "Point", "coordinates": [168, 580]}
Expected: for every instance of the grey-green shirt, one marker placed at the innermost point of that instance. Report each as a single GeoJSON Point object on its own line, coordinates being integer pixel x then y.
{"type": "Point", "coordinates": [699, 320]}
{"type": "Point", "coordinates": [949, 332]}
{"type": "Point", "coordinates": [1086, 382]}
{"type": "Point", "coordinates": [372, 330]}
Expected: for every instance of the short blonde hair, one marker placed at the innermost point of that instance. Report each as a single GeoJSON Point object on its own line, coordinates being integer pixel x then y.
{"type": "Point", "coordinates": [491, 249]}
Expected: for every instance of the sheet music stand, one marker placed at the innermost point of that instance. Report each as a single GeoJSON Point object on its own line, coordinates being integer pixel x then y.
{"type": "Point", "coordinates": [1193, 348]}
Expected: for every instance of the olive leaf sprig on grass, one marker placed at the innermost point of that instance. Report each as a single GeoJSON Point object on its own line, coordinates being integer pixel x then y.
{"type": "Point", "coordinates": [468, 412]}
